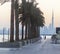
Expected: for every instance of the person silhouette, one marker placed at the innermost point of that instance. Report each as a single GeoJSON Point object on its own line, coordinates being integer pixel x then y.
{"type": "Point", "coordinates": [45, 37]}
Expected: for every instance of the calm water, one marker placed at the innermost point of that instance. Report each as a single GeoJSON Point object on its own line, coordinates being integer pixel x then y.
{"type": "Point", "coordinates": [6, 38]}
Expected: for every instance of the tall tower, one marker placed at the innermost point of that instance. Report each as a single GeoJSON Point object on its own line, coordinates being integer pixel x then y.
{"type": "Point", "coordinates": [52, 19]}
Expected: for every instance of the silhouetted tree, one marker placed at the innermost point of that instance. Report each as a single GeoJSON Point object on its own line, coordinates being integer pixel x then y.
{"type": "Point", "coordinates": [16, 20]}
{"type": "Point", "coordinates": [12, 22]}
{"type": "Point", "coordinates": [33, 19]}
{"type": "Point", "coordinates": [23, 16]}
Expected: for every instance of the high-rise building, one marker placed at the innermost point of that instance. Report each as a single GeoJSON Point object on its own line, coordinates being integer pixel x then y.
{"type": "Point", "coordinates": [52, 19]}
{"type": "Point", "coordinates": [49, 29]}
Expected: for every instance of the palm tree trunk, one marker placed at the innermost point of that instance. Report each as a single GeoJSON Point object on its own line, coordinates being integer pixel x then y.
{"type": "Point", "coordinates": [12, 22]}
{"type": "Point", "coordinates": [34, 31]}
{"type": "Point", "coordinates": [16, 21]}
{"type": "Point", "coordinates": [23, 7]}
{"type": "Point", "coordinates": [22, 31]}
{"type": "Point", "coordinates": [29, 29]}
{"type": "Point", "coordinates": [38, 31]}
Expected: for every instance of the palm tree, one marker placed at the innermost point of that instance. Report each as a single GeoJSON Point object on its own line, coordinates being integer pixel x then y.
{"type": "Point", "coordinates": [16, 21]}
{"type": "Point", "coordinates": [12, 22]}
{"type": "Point", "coordinates": [36, 19]}
{"type": "Point", "coordinates": [33, 19]}
{"type": "Point", "coordinates": [23, 15]}
{"type": "Point", "coordinates": [12, 19]}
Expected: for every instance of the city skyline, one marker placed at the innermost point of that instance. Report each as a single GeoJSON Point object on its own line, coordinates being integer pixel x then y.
{"type": "Point", "coordinates": [50, 29]}
{"type": "Point", "coordinates": [46, 6]}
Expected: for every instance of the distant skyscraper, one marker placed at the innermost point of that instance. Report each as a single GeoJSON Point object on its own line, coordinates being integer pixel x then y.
{"type": "Point", "coordinates": [49, 29]}
{"type": "Point", "coordinates": [52, 19]}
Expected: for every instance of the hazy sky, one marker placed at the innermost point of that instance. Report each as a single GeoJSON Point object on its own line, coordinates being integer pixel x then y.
{"type": "Point", "coordinates": [5, 15]}
{"type": "Point", "coordinates": [45, 5]}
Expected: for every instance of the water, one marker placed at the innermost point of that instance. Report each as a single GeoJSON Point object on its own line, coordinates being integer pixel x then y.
{"type": "Point", "coordinates": [4, 38]}
{"type": "Point", "coordinates": [7, 38]}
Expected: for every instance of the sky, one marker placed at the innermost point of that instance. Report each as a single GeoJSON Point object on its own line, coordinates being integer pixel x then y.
{"type": "Point", "coordinates": [5, 15]}
{"type": "Point", "coordinates": [45, 5]}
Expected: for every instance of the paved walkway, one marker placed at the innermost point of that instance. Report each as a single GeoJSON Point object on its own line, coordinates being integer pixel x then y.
{"type": "Point", "coordinates": [37, 48]}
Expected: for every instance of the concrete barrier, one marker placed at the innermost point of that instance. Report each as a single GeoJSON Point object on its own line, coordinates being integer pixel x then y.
{"type": "Point", "coordinates": [17, 44]}
{"type": "Point", "coordinates": [9, 45]}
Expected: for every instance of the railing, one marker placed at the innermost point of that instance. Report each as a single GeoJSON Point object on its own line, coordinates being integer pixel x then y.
{"type": "Point", "coordinates": [5, 38]}
{"type": "Point", "coordinates": [18, 44]}
{"type": "Point", "coordinates": [4, 35]}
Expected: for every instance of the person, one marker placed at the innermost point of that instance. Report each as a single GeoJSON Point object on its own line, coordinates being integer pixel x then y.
{"type": "Point", "coordinates": [45, 37]}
